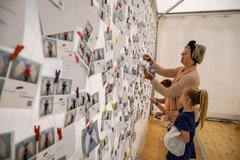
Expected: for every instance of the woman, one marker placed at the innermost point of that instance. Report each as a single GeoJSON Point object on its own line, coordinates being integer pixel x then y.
{"type": "Point", "coordinates": [185, 76]}
{"type": "Point", "coordinates": [185, 122]}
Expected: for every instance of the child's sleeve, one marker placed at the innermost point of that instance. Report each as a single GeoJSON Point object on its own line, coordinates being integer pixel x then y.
{"type": "Point", "coordinates": [182, 124]}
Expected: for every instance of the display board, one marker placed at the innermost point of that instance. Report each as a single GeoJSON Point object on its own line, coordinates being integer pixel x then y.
{"type": "Point", "coordinates": [75, 88]}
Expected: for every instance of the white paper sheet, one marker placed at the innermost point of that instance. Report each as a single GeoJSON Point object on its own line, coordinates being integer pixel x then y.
{"type": "Point", "coordinates": [12, 20]}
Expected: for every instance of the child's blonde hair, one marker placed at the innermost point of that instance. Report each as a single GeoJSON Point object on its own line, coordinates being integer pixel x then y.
{"type": "Point", "coordinates": [199, 97]}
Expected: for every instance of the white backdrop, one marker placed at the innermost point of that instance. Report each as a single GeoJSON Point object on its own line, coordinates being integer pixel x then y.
{"type": "Point", "coordinates": [219, 71]}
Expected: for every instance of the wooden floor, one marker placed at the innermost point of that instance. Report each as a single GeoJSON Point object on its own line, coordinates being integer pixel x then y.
{"type": "Point", "coordinates": [219, 141]}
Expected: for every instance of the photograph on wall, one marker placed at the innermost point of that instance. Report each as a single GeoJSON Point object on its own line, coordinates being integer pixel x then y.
{"type": "Point", "coordinates": [109, 71]}
{"type": "Point", "coordinates": [49, 47]}
{"type": "Point", "coordinates": [104, 11]}
{"type": "Point", "coordinates": [46, 106]}
{"type": "Point", "coordinates": [4, 63]}
{"type": "Point", "coordinates": [103, 148]}
{"type": "Point", "coordinates": [25, 70]}
{"type": "Point", "coordinates": [104, 78]}
{"type": "Point", "coordinates": [64, 86]}
{"type": "Point", "coordinates": [70, 117]}
{"type": "Point", "coordinates": [109, 92]}
{"type": "Point", "coordinates": [92, 107]}
{"type": "Point", "coordinates": [72, 102]}
{"type": "Point", "coordinates": [48, 86]}
{"type": "Point", "coordinates": [6, 145]}
{"type": "Point", "coordinates": [106, 120]}
{"type": "Point", "coordinates": [90, 138]}
{"type": "Point", "coordinates": [46, 139]}
{"type": "Point", "coordinates": [26, 149]}
{"type": "Point", "coordinates": [108, 40]}
{"type": "Point", "coordinates": [66, 36]}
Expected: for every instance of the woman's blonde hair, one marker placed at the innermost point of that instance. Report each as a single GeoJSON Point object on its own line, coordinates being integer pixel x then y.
{"type": "Point", "coordinates": [199, 97]}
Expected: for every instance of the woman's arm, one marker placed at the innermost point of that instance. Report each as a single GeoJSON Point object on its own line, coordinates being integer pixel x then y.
{"type": "Point", "coordinates": [171, 73]}
{"type": "Point", "coordinates": [176, 89]}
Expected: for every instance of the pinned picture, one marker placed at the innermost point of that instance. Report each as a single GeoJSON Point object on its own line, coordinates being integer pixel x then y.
{"type": "Point", "coordinates": [98, 54]}
{"type": "Point", "coordinates": [88, 56]}
{"type": "Point", "coordinates": [26, 149]}
{"type": "Point", "coordinates": [91, 70]}
{"type": "Point", "coordinates": [109, 93]}
{"type": "Point", "coordinates": [48, 86]}
{"type": "Point", "coordinates": [46, 106]}
{"type": "Point", "coordinates": [108, 40]}
{"type": "Point", "coordinates": [64, 86]}
{"type": "Point", "coordinates": [104, 78]}
{"type": "Point", "coordinates": [90, 138]}
{"type": "Point", "coordinates": [71, 102]}
{"type": "Point", "coordinates": [87, 31]}
{"type": "Point", "coordinates": [81, 48]}
{"type": "Point", "coordinates": [49, 47]}
{"type": "Point", "coordinates": [70, 118]}
{"type": "Point", "coordinates": [25, 70]}
{"type": "Point", "coordinates": [46, 139]}
{"type": "Point", "coordinates": [103, 148]}
{"type": "Point", "coordinates": [6, 145]}
{"type": "Point", "coordinates": [66, 36]}
{"type": "Point", "coordinates": [106, 120]}
{"type": "Point", "coordinates": [4, 63]}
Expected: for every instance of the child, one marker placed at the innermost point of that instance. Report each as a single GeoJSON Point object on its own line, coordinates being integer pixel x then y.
{"type": "Point", "coordinates": [185, 121]}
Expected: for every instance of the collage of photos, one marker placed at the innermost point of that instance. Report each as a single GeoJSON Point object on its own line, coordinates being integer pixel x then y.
{"type": "Point", "coordinates": [51, 90]}
{"type": "Point", "coordinates": [84, 53]}
{"type": "Point", "coordinates": [104, 11]}
{"type": "Point", "coordinates": [21, 74]}
{"type": "Point", "coordinates": [98, 62]}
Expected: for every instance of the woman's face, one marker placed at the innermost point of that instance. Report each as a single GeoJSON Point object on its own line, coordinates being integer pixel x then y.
{"type": "Point", "coordinates": [186, 56]}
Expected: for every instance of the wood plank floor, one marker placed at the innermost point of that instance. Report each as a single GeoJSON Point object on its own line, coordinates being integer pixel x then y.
{"type": "Point", "coordinates": [219, 141]}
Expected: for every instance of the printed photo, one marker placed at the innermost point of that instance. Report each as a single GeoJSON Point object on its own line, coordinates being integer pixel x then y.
{"type": "Point", "coordinates": [88, 56]}
{"type": "Point", "coordinates": [91, 70]}
{"type": "Point", "coordinates": [46, 106]}
{"type": "Point", "coordinates": [49, 47]}
{"type": "Point", "coordinates": [98, 54]}
{"type": "Point", "coordinates": [94, 98]}
{"type": "Point", "coordinates": [82, 48]}
{"type": "Point", "coordinates": [46, 139]}
{"type": "Point", "coordinates": [26, 149]}
{"type": "Point", "coordinates": [48, 86]}
{"type": "Point", "coordinates": [6, 145]}
{"type": "Point", "coordinates": [71, 102]}
{"type": "Point", "coordinates": [82, 99]}
{"type": "Point", "coordinates": [66, 36]}
{"type": "Point", "coordinates": [4, 63]}
{"type": "Point", "coordinates": [90, 138]}
{"type": "Point", "coordinates": [25, 70]}
{"type": "Point", "coordinates": [108, 40]}
{"type": "Point", "coordinates": [70, 118]}
{"type": "Point", "coordinates": [64, 86]}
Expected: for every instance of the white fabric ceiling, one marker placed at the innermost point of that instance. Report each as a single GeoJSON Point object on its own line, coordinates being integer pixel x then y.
{"type": "Point", "coordinates": [197, 5]}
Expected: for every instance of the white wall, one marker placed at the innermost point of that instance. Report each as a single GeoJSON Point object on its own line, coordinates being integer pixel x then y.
{"type": "Point", "coordinates": [219, 71]}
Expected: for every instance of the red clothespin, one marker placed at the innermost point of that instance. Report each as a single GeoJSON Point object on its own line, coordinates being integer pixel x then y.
{"type": "Point", "coordinates": [16, 52]}
{"type": "Point", "coordinates": [59, 132]}
{"type": "Point", "coordinates": [112, 129]}
{"type": "Point", "coordinates": [77, 92]}
{"type": "Point", "coordinates": [91, 2]}
{"type": "Point", "coordinates": [76, 57]}
{"type": "Point", "coordinates": [37, 132]}
{"type": "Point", "coordinates": [57, 73]}
{"type": "Point", "coordinates": [108, 28]}
{"type": "Point", "coordinates": [80, 34]}
{"type": "Point", "coordinates": [117, 5]}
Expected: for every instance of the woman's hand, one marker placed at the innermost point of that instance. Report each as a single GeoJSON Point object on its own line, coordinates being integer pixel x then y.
{"type": "Point", "coordinates": [147, 58]}
{"type": "Point", "coordinates": [148, 75]}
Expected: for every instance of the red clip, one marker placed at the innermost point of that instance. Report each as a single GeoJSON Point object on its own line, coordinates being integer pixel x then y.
{"type": "Point", "coordinates": [108, 28]}
{"type": "Point", "coordinates": [80, 34]}
{"type": "Point", "coordinates": [112, 129]}
{"type": "Point", "coordinates": [90, 124]}
{"type": "Point", "coordinates": [37, 132]}
{"type": "Point", "coordinates": [16, 52]}
{"type": "Point", "coordinates": [76, 57]}
{"type": "Point", "coordinates": [59, 132]}
{"type": "Point", "coordinates": [91, 2]}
